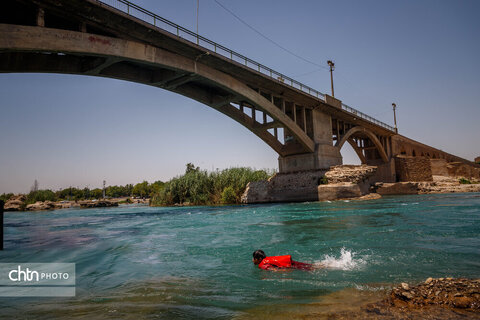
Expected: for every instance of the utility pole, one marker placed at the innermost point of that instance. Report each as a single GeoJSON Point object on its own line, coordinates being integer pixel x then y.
{"type": "Point", "coordinates": [395, 116]}
{"type": "Point", "coordinates": [332, 67]}
{"type": "Point", "coordinates": [198, 6]}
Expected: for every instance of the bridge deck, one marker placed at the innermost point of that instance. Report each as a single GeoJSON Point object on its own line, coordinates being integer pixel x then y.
{"type": "Point", "coordinates": [191, 44]}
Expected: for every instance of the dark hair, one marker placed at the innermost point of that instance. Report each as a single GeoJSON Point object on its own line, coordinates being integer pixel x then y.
{"type": "Point", "coordinates": [259, 254]}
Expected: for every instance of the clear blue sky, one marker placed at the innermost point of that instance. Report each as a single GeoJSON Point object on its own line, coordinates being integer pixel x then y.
{"type": "Point", "coordinates": [77, 131]}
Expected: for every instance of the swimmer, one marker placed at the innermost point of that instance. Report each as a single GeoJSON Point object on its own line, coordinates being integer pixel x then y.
{"type": "Point", "coordinates": [278, 262]}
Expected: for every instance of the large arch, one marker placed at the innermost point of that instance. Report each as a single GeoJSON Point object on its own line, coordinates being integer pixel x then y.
{"type": "Point", "coordinates": [347, 137]}
{"type": "Point", "coordinates": [40, 49]}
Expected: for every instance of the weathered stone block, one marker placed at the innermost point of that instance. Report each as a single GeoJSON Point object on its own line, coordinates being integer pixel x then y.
{"type": "Point", "coordinates": [397, 188]}
{"type": "Point", "coordinates": [256, 192]}
{"type": "Point", "coordinates": [439, 167]}
{"type": "Point", "coordinates": [337, 191]}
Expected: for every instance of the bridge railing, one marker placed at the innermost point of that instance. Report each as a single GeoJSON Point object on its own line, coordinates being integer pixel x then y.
{"type": "Point", "coordinates": [366, 117]}
{"type": "Point", "coordinates": [173, 28]}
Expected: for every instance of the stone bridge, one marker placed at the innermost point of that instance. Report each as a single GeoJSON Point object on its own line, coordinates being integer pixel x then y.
{"type": "Point", "coordinates": [117, 39]}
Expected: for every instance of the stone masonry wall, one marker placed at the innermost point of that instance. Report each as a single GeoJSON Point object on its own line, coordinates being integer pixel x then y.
{"type": "Point", "coordinates": [439, 167]}
{"type": "Point", "coordinates": [458, 169]}
{"type": "Point", "coordinates": [413, 168]}
{"type": "Point", "coordinates": [282, 187]}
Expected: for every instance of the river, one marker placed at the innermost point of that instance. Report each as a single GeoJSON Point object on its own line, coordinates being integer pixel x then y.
{"type": "Point", "coordinates": [136, 262]}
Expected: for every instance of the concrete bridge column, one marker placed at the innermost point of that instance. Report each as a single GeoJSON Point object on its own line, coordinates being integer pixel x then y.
{"type": "Point", "coordinates": [325, 154]}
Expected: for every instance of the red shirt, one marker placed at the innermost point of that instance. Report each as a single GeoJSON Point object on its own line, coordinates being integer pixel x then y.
{"type": "Point", "coordinates": [282, 262]}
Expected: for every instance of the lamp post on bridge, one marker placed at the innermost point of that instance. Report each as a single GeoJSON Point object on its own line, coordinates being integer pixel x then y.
{"type": "Point", "coordinates": [395, 116]}
{"type": "Point", "coordinates": [332, 67]}
{"type": "Point", "coordinates": [198, 7]}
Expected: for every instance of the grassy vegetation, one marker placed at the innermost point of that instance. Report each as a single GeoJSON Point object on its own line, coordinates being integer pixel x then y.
{"type": "Point", "coordinates": [464, 181]}
{"type": "Point", "coordinates": [323, 180]}
{"type": "Point", "coordinates": [198, 187]}
{"type": "Point", "coordinates": [195, 187]}
{"type": "Point", "coordinates": [5, 196]}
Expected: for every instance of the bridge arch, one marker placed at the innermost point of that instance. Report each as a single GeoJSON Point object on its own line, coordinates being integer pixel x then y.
{"type": "Point", "coordinates": [40, 49]}
{"type": "Point", "coordinates": [348, 137]}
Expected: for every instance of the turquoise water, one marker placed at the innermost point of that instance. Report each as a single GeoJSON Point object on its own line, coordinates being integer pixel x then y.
{"type": "Point", "coordinates": [195, 262]}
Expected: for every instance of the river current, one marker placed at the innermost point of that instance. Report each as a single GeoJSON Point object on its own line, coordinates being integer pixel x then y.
{"type": "Point", "coordinates": [135, 262]}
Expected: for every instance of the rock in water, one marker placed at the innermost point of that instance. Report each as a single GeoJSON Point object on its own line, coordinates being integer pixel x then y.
{"type": "Point", "coordinates": [41, 205]}
{"type": "Point", "coordinates": [15, 203]}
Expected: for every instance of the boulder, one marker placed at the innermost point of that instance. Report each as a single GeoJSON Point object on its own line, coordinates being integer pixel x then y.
{"type": "Point", "coordinates": [370, 196]}
{"type": "Point", "coordinates": [350, 173]}
{"type": "Point", "coordinates": [41, 205]}
{"type": "Point", "coordinates": [15, 203]}
{"type": "Point", "coordinates": [97, 203]}
{"type": "Point", "coordinates": [336, 191]}
{"type": "Point", "coordinates": [63, 204]}
{"type": "Point", "coordinates": [397, 188]}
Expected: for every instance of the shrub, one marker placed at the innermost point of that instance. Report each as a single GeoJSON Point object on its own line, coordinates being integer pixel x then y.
{"type": "Point", "coordinates": [323, 180]}
{"type": "Point", "coordinates": [201, 188]}
{"type": "Point", "coordinates": [229, 196]}
{"type": "Point", "coordinates": [40, 195]}
{"type": "Point", "coordinates": [464, 181]}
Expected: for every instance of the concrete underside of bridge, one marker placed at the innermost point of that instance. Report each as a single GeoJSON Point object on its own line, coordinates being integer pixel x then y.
{"type": "Point", "coordinates": [86, 37]}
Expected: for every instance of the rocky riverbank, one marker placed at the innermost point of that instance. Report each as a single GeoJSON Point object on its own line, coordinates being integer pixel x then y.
{"type": "Point", "coordinates": [446, 292]}
{"type": "Point", "coordinates": [439, 299]}
{"type": "Point", "coordinates": [427, 187]}
{"type": "Point", "coordinates": [17, 203]}
{"type": "Point", "coordinates": [442, 298]}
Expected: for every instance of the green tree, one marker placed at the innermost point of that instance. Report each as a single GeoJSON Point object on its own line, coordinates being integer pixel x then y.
{"type": "Point", "coordinates": [191, 168]}
{"type": "Point", "coordinates": [141, 190]}
{"type": "Point", "coordinates": [156, 188]}
{"type": "Point", "coordinates": [229, 196]}
{"type": "Point", "coordinates": [41, 195]}
{"type": "Point", "coordinates": [97, 193]}
{"type": "Point", "coordinates": [6, 196]}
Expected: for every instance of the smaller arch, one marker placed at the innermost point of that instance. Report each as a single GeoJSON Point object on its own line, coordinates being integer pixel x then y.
{"type": "Point", "coordinates": [370, 135]}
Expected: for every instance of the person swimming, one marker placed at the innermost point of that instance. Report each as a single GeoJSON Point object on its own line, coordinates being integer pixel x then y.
{"type": "Point", "coordinates": [278, 262]}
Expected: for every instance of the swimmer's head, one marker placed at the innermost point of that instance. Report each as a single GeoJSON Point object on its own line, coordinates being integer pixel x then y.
{"type": "Point", "coordinates": [258, 256]}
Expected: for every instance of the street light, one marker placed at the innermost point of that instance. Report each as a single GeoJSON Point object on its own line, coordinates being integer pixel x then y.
{"type": "Point", "coordinates": [332, 67]}
{"type": "Point", "coordinates": [395, 116]}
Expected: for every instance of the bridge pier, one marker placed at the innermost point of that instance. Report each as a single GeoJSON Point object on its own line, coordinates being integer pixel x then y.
{"type": "Point", "coordinates": [325, 154]}
{"type": "Point", "coordinates": [324, 157]}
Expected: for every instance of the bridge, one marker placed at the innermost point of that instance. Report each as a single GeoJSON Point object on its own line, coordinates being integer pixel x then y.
{"type": "Point", "coordinates": [118, 39]}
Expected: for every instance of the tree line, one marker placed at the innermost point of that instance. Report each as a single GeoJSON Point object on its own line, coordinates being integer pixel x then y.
{"type": "Point", "coordinates": [194, 187]}
{"type": "Point", "coordinates": [141, 190]}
